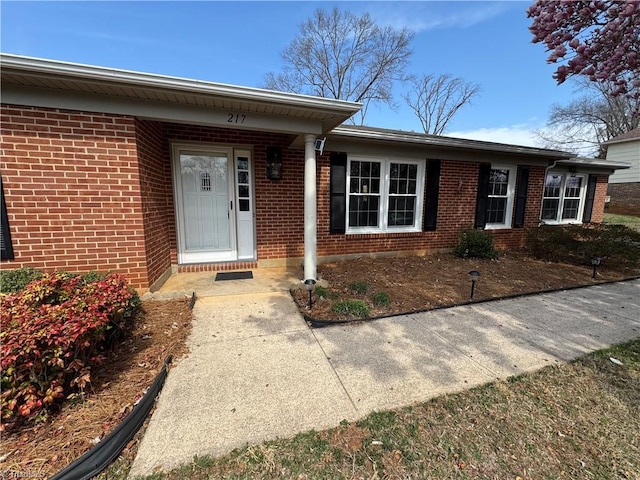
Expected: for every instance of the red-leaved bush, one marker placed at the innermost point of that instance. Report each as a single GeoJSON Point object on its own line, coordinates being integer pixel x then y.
{"type": "Point", "coordinates": [52, 333]}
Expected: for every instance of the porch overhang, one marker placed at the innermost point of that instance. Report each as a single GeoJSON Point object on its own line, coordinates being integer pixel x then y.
{"type": "Point", "coordinates": [54, 84]}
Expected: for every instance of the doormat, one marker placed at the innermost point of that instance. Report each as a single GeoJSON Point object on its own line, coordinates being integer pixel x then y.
{"type": "Point", "coordinates": [233, 276]}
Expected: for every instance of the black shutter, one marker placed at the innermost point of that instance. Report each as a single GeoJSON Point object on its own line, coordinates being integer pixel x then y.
{"type": "Point", "coordinates": [6, 247]}
{"type": "Point", "coordinates": [521, 199]}
{"type": "Point", "coordinates": [591, 195]}
{"type": "Point", "coordinates": [337, 192]}
{"type": "Point", "coordinates": [482, 199]}
{"type": "Point", "coordinates": [431, 200]}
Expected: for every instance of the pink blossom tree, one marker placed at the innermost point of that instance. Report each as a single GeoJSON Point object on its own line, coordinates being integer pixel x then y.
{"type": "Point", "coordinates": [598, 39]}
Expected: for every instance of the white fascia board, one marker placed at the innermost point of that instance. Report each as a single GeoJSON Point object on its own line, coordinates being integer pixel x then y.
{"type": "Point", "coordinates": [445, 142]}
{"type": "Point", "coordinates": [594, 163]}
{"type": "Point", "coordinates": [79, 72]}
{"type": "Point", "coordinates": [161, 111]}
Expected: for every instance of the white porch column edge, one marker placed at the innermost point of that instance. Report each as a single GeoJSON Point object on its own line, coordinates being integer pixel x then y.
{"type": "Point", "coordinates": [310, 209]}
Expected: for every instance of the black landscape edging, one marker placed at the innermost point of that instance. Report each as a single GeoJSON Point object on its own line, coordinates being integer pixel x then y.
{"type": "Point", "coordinates": [318, 323]}
{"type": "Point", "coordinates": [100, 457]}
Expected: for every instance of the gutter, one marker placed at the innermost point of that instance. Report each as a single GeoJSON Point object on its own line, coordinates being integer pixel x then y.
{"type": "Point", "coordinates": [78, 72]}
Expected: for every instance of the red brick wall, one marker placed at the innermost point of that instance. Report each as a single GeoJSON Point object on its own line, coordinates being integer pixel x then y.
{"type": "Point", "coordinates": [94, 192]}
{"type": "Point", "coordinates": [157, 197]}
{"type": "Point", "coordinates": [599, 199]}
{"type": "Point", "coordinates": [279, 203]}
{"type": "Point", "coordinates": [71, 185]}
{"type": "Point", "coordinates": [456, 209]}
{"type": "Point", "coordinates": [624, 194]}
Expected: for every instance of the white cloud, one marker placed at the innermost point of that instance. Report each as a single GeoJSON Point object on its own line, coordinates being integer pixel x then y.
{"type": "Point", "coordinates": [420, 17]}
{"type": "Point", "coordinates": [513, 135]}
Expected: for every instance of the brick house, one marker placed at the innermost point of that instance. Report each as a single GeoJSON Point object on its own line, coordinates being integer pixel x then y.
{"type": "Point", "coordinates": [624, 185]}
{"type": "Point", "coordinates": [144, 174]}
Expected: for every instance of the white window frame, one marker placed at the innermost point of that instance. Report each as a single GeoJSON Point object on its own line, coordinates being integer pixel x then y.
{"type": "Point", "coordinates": [383, 204]}
{"type": "Point", "coordinates": [511, 190]}
{"type": "Point", "coordinates": [583, 192]}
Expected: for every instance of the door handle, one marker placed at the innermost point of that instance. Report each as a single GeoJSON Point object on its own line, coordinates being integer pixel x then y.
{"type": "Point", "coordinates": [231, 205]}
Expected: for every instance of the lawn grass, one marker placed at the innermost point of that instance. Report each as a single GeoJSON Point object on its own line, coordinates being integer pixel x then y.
{"type": "Point", "coordinates": [576, 420]}
{"type": "Point", "coordinates": [630, 221]}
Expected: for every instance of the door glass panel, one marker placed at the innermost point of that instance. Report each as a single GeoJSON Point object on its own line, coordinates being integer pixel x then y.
{"type": "Point", "coordinates": [205, 200]}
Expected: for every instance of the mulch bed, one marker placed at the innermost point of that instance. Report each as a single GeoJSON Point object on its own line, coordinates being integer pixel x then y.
{"type": "Point", "coordinates": [39, 451]}
{"type": "Point", "coordinates": [433, 281]}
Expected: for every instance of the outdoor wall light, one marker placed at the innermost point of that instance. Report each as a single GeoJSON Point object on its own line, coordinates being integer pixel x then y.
{"type": "Point", "coordinates": [274, 163]}
{"type": "Point", "coordinates": [474, 274]}
{"type": "Point", "coordinates": [310, 284]}
{"type": "Point", "coordinates": [595, 261]}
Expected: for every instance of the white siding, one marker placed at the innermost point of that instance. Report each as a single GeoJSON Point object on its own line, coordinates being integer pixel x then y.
{"type": "Point", "coordinates": [625, 152]}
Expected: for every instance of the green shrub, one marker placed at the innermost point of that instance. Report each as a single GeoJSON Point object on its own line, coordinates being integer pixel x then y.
{"type": "Point", "coordinates": [617, 245]}
{"type": "Point", "coordinates": [359, 287]}
{"type": "Point", "coordinates": [12, 281]}
{"type": "Point", "coordinates": [352, 308]}
{"type": "Point", "coordinates": [52, 333]}
{"type": "Point", "coordinates": [474, 243]}
{"type": "Point", "coordinates": [324, 292]}
{"type": "Point", "coordinates": [381, 299]}
{"type": "Point", "coordinates": [93, 276]}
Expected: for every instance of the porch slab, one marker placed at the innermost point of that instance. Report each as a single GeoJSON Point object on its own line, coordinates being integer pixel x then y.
{"type": "Point", "coordinates": [265, 280]}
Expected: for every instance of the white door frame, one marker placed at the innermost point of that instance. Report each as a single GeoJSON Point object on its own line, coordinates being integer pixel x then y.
{"type": "Point", "coordinates": [205, 256]}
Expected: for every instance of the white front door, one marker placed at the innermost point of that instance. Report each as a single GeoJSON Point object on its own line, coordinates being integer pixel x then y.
{"type": "Point", "coordinates": [209, 197]}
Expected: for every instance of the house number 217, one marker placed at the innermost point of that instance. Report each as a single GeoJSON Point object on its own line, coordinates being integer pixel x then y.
{"type": "Point", "coordinates": [236, 118]}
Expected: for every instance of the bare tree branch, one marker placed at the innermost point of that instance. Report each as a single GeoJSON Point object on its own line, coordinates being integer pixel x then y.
{"type": "Point", "coordinates": [339, 55]}
{"type": "Point", "coordinates": [435, 100]}
{"type": "Point", "coordinates": [583, 125]}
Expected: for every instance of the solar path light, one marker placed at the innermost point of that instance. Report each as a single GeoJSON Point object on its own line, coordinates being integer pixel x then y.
{"type": "Point", "coordinates": [310, 284]}
{"type": "Point", "coordinates": [474, 274]}
{"type": "Point", "coordinates": [595, 261]}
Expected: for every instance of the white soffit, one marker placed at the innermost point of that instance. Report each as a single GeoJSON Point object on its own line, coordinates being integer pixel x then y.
{"type": "Point", "coordinates": [22, 76]}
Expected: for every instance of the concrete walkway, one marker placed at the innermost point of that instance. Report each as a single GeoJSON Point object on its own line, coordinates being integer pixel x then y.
{"type": "Point", "coordinates": [257, 372]}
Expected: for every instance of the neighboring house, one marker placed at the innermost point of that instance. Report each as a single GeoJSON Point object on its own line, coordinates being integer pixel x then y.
{"type": "Point", "coordinates": [624, 185]}
{"type": "Point", "coordinates": [113, 170]}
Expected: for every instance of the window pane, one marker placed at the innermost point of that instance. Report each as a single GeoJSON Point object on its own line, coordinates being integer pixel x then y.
{"type": "Point", "coordinates": [402, 187]}
{"type": "Point", "coordinates": [243, 163]}
{"type": "Point", "coordinates": [572, 187]}
{"type": "Point", "coordinates": [353, 188]}
{"type": "Point", "coordinates": [401, 211]}
{"type": "Point", "coordinates": [413, 172]}
{"type": "Point", "coordinates": [243, 177]}
{"type": "Point", "coordinates": [496, 211]}
{"type": "Point", "coordinates": [365, 169]}
{"type": "Point", "coordinates": [550, 209]}
{"type": "Point", "coordinates": [412, 187]}
{"type": "Point", "coordinates": [375, 186]}
{"type": "Point", "coordinates": [498, 182]}
{"type": "Point", "coordinates": [570, 209]}
{"type": "Point", "coordinates": [552, 186]}
{"type": "Point", "coordinates": [244, 205]}
{"type": "Point", "coordinates": [375, 169]}
{"type": "Point", "coordinates": [393, 186]}
{"type": "Point", "coordinates": [355, 169]}
{"type": "Point", "coordinates": [243, 191]}
{"type": "Point", "coordinates": [363, 211]}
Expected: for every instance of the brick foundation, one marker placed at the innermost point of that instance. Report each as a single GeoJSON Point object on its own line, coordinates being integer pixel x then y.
{"type": "Point", "coordinates": [625, 194]}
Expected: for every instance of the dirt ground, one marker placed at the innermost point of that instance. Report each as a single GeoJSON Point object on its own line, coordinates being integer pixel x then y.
{"type": "Point", "coordinates": [422, 283]}
{"type": "Point", "coordinates": [40, 451]}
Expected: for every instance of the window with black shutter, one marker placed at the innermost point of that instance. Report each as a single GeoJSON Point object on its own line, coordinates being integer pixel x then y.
{"type": "Point", "coordinates": [431, 197]}
{"type": "Point", "coordinates": [6, 247]}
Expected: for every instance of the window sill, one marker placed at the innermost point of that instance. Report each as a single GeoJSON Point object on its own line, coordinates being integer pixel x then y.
{"type": "Point", "coordinates": [497, 227]}
{"type": "Point", "coordinates": [383, 235]}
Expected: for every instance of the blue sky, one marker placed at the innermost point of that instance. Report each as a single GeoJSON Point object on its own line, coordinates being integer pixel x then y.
{"type": "Point", "coordinates": [239, 42]}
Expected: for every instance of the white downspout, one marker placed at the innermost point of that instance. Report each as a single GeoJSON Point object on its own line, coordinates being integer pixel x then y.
{"type": "Point", "coordinates": [544, 183]}
{"type": "Point", "coordinates": [310, 209]}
